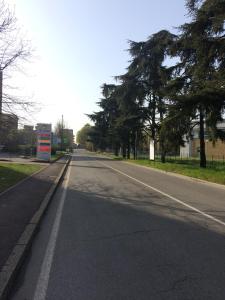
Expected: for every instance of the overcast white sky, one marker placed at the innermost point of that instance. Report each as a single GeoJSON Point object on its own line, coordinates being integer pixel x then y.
{"type": "Point", "coordinates": [79, 45]}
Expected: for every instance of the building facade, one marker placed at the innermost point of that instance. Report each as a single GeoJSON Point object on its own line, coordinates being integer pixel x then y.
{"type": "Point", "coordinates": [213, 150]}
{"type": "Point", "coordinates": [8, 123]}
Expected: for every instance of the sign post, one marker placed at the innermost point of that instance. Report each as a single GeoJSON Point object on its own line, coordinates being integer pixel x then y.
{"type": "Point", "coordinates": [152, 150]}
{"type": "Point", "coordinates": [44, 141]}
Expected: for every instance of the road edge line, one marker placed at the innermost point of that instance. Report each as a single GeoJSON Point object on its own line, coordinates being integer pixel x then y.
{"type": "Point", "coordinates": [170, 173]}
{"type": "Point", "coordinates": [41, 287]}
{"type": "Point", "coordinates": [167, 195]}
{"type": "Point", "coordinates": [185, 177]}
{"type": "Point", "coordinates": [12, 265]}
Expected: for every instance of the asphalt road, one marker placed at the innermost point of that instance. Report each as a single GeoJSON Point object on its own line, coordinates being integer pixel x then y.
{"type": "Point", "coordinates": [120, 231]}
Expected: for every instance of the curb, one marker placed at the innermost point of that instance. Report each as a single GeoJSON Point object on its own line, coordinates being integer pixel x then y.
{"type": "Point", "coordinates": [58, 158]}
{"type": "Point", "coordinates": [14, 262]}
{"type": "Point", "coordinates": [189, 178]}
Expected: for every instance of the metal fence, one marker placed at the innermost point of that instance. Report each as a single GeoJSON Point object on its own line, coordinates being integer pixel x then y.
{"type": "Point", "coordinates": [177, 158]}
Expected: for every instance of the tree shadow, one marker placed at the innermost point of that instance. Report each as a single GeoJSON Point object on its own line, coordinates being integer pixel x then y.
{"type": "Point", "coordinates": [116, 248]}
{"type": "Point", "coordinates": [19, 204]}
{"type": "Point", "coordinates": [89, 158]}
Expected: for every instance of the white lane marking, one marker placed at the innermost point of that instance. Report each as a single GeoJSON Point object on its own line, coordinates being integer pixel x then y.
{"type": "Point", "coordinates": [42, 284]}
{"type": "Point", "coordinates": [168, 196]}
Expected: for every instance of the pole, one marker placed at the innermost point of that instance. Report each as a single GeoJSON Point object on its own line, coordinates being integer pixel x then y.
{"type": "Point", "coordinates": [62, 129]}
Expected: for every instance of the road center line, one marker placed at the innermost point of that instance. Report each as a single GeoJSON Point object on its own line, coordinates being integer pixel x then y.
{"type": "Point", "coordinates": [167, 195]}
{"type": "Point", "coordinates": [42, 283]}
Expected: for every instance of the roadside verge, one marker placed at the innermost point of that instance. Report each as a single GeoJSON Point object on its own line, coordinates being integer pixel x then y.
{"type": "Point", "coordinates": [209, 182]}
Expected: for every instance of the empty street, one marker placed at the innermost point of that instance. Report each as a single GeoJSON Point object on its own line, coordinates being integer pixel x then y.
{"type": "Point", "coordinates": [119, 231]}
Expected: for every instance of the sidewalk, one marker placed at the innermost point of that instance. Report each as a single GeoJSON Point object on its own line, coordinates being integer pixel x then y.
{"type": "Point", "coordinates": [18, 205]}
{"type": "Point", "coordinates": [13, 157]}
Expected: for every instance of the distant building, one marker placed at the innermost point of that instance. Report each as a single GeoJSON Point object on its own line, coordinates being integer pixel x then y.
{"type": "Point", "coordinates": [192, 147]}
{"type": "Point", "coordinates": [29, 136]}
{"type": "Point", "coordinates": [28, 128]}
{"type": "Point", "coordinates": [9, 122]}
{"type": "Point", "coordinates": [56, 141]}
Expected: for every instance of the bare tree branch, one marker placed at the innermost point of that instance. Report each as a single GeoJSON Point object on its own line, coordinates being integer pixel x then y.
{"type": "Point", "coordinates": [14, 51]}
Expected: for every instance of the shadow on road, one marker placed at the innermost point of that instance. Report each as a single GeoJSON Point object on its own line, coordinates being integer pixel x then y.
{"type": "Point", "coordinates": [18, 205]}
{"type": "Point", "coordinates": [89, 158]}
{"type": "Point", "coordinates": [136, 248]}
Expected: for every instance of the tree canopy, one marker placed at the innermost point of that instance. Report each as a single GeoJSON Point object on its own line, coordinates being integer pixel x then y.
{"type": "Point", "coordinates": [165, 101]}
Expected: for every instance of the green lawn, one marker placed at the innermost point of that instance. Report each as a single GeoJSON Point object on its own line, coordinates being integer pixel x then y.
{"type": "Point", "coordinates": [215, 172]}
{"type": "Point", "coordinates": [58, 155]}
{"type": "Point", "coordinates": [55, 156]}
{"type": "Point", "coordinates": [11, 173]}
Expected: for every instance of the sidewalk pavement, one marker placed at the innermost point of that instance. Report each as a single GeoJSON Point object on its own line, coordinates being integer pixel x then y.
{"type": "Point", "coordinates": [13, 157]}
{"type": "Point", "coordinates": [6, 157]}
{"type": "Point", "coordinates": [19, 204]}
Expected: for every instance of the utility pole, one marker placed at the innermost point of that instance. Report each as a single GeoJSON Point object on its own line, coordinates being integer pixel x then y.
{"type": "Point", "coordinates": [62, 129]}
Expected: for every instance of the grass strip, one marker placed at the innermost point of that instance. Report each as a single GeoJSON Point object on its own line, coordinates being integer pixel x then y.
{"type": "Point", "coordinates": [11, 173]}
{"type": "Point", "coordinates": [213, 173]}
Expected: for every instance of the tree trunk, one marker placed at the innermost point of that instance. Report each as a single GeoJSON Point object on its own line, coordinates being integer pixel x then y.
{"type": "Point", "coordinates": [116, 150]}
{"type": "Point", "coordinates": [162, 151]}
{"type": "Point", "coordinates": [162, 146]}
{"type": "Point", "coordinates": [163, 156]}
{"type": "Point", "coordinates": [128, 150]}
{"type": "Point", "coordinates": [124, 150]}
{"type": "Point", "coordinates": [134, 152]}
{"type": "Point", "coordinates": [128, 145]}
{"type": "Point", "coordinates": [202, 140]}
{"type": "Point", "coordinates": [134, 144]}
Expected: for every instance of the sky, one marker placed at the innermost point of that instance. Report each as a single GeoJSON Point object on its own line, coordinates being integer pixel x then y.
{"type": "Point", "coordinates": [79, 45]}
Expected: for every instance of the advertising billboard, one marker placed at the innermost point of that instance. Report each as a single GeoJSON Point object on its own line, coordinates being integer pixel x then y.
{"type": "Point", "coordinates": [44, 141]}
